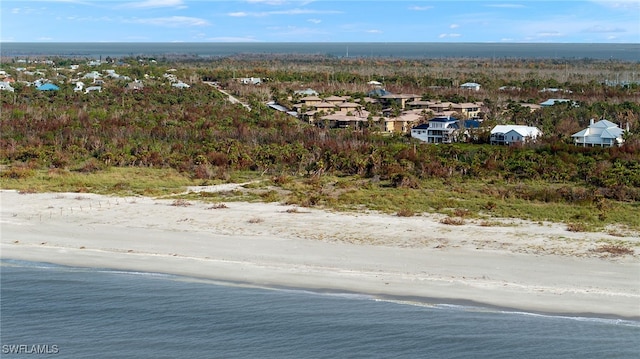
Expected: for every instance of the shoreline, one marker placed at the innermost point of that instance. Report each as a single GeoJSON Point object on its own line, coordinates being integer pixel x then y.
{"type": "Point", "coordinates": [384, 256]}
{"type": "Point", "coordinates": [432, 302]}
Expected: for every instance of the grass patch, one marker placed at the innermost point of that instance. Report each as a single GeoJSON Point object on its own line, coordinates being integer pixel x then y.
{"type": "Point", "coordinates": [455, 198]}
{"type": "Point", "coordinates": [113, 180]}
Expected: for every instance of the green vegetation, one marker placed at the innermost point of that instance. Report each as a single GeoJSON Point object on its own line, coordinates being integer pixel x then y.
{"type": "Point", "coordinates": [158, 140]}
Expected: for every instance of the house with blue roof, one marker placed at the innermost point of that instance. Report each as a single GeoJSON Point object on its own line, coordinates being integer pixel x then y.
{"type": "Point", "coordinates": [48, 87]}
{"type": "Point", "coordinates": [438, 130]}
{"type": "Point", "coordinates": [599, 134]}
{"type": "Point", "coordinates": [553, 101]}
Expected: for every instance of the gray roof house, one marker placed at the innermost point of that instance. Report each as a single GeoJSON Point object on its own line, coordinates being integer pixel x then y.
{"type": "Point", "coordinates": [513, 134]}
{"type": "Point", "coordinates": [471, 86]}
{"type": "Point", "coordinates": [602, 134]}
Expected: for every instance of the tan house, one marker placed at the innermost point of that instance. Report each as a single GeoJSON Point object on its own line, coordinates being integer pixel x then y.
{"type": "Point", "coordinates": [343, 120]}
{"type": "Point", "coordinates": [467, 109]}
{"type": "Point", "coordinates": [310, 100]}
{"type": "Point", "coordinates": [347, 107]}
{"type": "Point", "coordinates": [404, 122]}
{"type": "Point", "coordinates": [400, 99]}
{"type": "Point", "coordinates": [335, 99]}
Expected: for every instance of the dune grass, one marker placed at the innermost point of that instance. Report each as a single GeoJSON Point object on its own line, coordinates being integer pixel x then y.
{"type": "Point", "coordinates": [113, 180]}
{"type": "Point", "coordinates": [461, 199]}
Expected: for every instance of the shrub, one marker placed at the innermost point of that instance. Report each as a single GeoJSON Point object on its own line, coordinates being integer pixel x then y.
{"type": "Point", "coordinates": [405, 212]}
{"type": "Point", "coordinates": [576, 227]}
{"type": "Point", "coordinates": [218, 206]}
{"type": "Point", "coordinates": [614, 250]}
{"type": "Point", "coordinates": [454, 221]}
{"type": "Point", "coordinates": [180, 203]}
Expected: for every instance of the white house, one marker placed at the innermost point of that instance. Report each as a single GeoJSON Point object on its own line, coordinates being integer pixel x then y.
{"type": "Point", "coordinates": [602, 133]}
{"type": "Point", "coordinates": [470, 86]}
{"type": "Point", "coordinates": [513, 134]}
{"type": "Point", "coordinates": [79, 86]}
{"type": "Point", "coordinates": [93, 88]}
{"type": "Point", "coordinates": [251, 81]}
{"type": "Point", "coordinates": [5, 86]}
{"type": "Point", "coordinates": [180, 85]}
{"type": "Point", "coordinates": [438, 130]}
{"type": "Point", "coordinates": [93, 75]}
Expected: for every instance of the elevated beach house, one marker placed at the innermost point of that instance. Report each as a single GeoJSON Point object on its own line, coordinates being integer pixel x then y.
{"type": "Point", "coordinates": [513, 134]}
{"type": "Point", "coordinates": [599, 134]}
{"type": "Point", "coordinates": [438, 130]}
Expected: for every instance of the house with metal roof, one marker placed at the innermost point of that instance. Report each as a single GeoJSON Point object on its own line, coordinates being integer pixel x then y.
{"type": "Point", "coordinates": [48, 87]}
{"type": "Point", "coordinates": [5, 86]}
{"type": "Point", "coordinates": [470, 86]}
{"type": "Point", "coordinates": [514, 134]}
{"type": "Point", "coordinates": [599, 134]}
{"type": "Point", "coordinates": [438, 130]}
{"type": "Point", "coordinates": [553, 101]}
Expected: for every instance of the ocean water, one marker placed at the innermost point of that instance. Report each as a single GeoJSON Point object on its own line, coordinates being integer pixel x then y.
{"type": "Point", "coordinates": [97, 313]}
{"type": "Point", "coordinates": [602, 51]}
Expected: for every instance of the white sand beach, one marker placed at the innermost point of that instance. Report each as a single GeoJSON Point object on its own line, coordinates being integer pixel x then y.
{"type": "Point", "coordinates": [518, 265]}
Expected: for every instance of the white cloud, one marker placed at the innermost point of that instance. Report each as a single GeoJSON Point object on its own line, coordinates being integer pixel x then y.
{"type": "Point", "coordinates": [266, 2]}
{"type": "Point", "coordinates": [453, 35]}
{"type": "Point", "coordinates": [171, 21]}
{"type": "Point", "coordinates": [232, 39]}
{"type": "Point", "coordinates": [550, 34]}
{"type": "Point", "coordinates": [454, 26]}
{"type": "Point", "coordinates": [619, 4]}
{"type": "Point", "coordinates": [315, 21]}
{"type": "Point", "coordinates": [506, 6]}
{"type": "Point", "coordinates": [283, 12]}
{"type": "Point", "coordinates": [149, 4]}
{"type": "Point", "coordinates": [420, 8]}
{"type": "Point", "coordinates": [374, 31]}
{"type": "Point", "coordinates": [603, 29]}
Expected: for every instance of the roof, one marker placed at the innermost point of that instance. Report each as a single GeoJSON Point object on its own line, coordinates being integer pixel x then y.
{"type": "Point", "coordinates": [335, 98]}
{"type": "Point", "coordinates": [349, 105]}
{"type": "Point", "coordinates": [310, 98]}
{"type": "Point", "coordinates": [308, 91]}
{"type": "Point", "coordinates": [48, 87]}
{"type": "Point", "coordinates": [443, 119]}
{"type": "Point", "coordinates": [524, 131]}
{"type": "Point", "coordinates": [553, 101]}
{"type": "Point", "coordinates": [423, 126]}
{"type": "Point", "coordinates": [471, 124]}
{"type": "Point", "coordinates": [600, 129]}
{"type": "Point", "coordinates": [470, 84]}
{"type": "Point", "coordinates": [378, 92]}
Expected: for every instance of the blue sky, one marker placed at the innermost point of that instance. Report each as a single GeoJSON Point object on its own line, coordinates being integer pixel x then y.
{"type": "Point", "coordinates": [601, 21]}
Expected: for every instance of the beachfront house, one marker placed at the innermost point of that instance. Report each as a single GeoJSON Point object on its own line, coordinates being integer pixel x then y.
{"type": "Point", "coordinates": [514, 134]}
{"type": "Point", "coordinates": [438, 130]}
{"type": "Point", "coordinates": [599, 134]}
